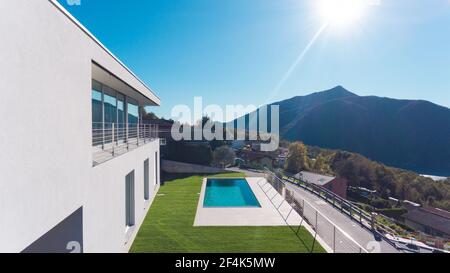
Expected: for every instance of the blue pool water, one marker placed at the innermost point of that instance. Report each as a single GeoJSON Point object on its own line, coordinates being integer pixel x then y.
{"type": "Point", "coordinates": [229, 193]}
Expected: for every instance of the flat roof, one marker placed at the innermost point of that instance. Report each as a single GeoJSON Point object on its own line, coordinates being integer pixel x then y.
{"type": "Point", "coordinates": [318, 179]}
{"type": "Point", "coordinates": [437, 219]}
{"type": "Point", "coordinates": [93, 38]}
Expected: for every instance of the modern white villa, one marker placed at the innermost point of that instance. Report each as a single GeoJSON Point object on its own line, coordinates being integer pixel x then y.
{"type": "Point", "coordinates": [78, 170]}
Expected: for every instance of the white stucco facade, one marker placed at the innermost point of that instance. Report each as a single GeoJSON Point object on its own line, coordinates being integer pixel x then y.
{"type": "Point", "coordinates": [46, 170]}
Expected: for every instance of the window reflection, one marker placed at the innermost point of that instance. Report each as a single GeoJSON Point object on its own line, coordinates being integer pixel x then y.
{"type": "Point", "coordinates": [110, 109]}
{"type": "Point", "coordinates": [133, 113]}
{"type": "Point", "coordinates": [96, 104]}
{"type": "Point", "coordinates": [121, 117]}
{"type": "Point", "coordinates": [97, 113]}
{"type": "Point", "coordinates": [110, 104]}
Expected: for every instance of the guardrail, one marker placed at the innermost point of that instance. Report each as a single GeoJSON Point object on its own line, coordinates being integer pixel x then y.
{"type": "Point", "coordinates": [337, 239]}
{"type": "Point", "coordinates": [346, 207]}
{"type": "Point", "coordinates": [112, 139]}
{"type": "Point", "coordinates": [355, 213]}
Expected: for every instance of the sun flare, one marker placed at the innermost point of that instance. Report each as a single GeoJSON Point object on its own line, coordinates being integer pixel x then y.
{"type": "Point", "coordinates": [341, 12]}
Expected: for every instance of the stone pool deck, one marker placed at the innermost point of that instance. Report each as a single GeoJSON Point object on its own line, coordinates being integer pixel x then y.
{"type": "Point", "coordinates": [266, 215]}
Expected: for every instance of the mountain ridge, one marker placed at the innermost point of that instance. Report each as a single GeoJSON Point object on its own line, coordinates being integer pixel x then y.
{"type": "Point", "coordinates": [409, 134]}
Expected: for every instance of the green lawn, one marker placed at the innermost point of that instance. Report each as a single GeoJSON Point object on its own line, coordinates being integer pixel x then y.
{"type": "Point", "coordinates": [168, 228]}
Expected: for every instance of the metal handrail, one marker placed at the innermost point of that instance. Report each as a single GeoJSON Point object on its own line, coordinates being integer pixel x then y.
{"type": "Point", "coordinates": [337, 200]}
{"type": "Point", "coordinates": [111, 139]}
{"type": "Point", "coordinates": [335, 228]}
{"type": "Point", "coordinates": [371, 224]}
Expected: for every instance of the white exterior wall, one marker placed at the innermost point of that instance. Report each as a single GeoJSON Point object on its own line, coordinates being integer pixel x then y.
{"type": "Point", "coordinates": [46, 168]}
{"type": "Point", "coordinates": [108, 187]}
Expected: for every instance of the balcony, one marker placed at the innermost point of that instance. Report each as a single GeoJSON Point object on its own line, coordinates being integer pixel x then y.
{"type": "Point", "coordinates": [110, 140]}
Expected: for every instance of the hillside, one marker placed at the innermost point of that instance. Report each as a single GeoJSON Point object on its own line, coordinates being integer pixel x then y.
{"type": "Point", "coordinates": [409, 134]}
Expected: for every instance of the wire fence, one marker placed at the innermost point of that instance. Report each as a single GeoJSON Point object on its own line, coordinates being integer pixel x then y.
{"type": "Point", "coordinates": [334, 237]}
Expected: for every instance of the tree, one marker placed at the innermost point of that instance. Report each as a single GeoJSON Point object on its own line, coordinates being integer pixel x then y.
{"type": "Point", "coordinates": [297, 159]}
{"type": "Point", "coordinates": [200, 154]}
{"type": "Point", "coordinates": [224, 156]}
{"type": "Point", "coordinates": [319, 164]}
{"type": "Point", "coordinates": [266, 163]}
{"type": "Point", "coordinates": [149, 116]}
{"type": "Point", "coordinates": [205, 120]}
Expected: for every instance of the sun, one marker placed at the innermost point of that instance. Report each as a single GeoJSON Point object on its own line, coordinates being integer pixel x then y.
{"type": "Point", "coordinates": [341, 13]}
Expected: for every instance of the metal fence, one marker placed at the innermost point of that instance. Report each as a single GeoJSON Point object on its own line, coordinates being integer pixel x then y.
{"type": "Point", "coordinates": [113, 139]}
{"type": "Point", "coordinates": [363, 218]}
{"type": "Point", "coordinates": [334, 237]}
{"type": "Point", "coordinates": [355, 213]}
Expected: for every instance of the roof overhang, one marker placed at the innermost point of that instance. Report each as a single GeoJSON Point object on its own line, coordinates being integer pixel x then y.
{"type": "Point", "coordinates": [105, 77]}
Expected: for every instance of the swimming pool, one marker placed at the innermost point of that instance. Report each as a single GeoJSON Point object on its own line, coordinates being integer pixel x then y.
{"type": "Point", "coordinates": [235, 192]}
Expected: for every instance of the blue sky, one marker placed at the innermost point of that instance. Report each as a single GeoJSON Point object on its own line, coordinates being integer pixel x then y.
{"type": "Point", "coordinates": [238, 51]}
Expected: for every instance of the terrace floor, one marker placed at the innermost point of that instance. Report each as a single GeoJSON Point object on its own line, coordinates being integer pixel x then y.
{"type": "Point", "coordinates": [169, 228]}
{"type": "Point", "coordinates": [109, 151]}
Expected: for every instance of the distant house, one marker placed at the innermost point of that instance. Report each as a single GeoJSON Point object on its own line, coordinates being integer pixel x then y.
{"type": "Point", "coordinates": [256, 147]}
{"type": "Point", "coordinates": [282, 157]}
{"type": "Point", "coordinates": [238, 144]}
{"type": "Point", "coordinates": [164, 127]}
{"type": "Point", "coordinates": [331, 183]}
{"type": "Point", "coordinates": [432, 221]}
{"type": "Point", "coordinates": [252, 156]}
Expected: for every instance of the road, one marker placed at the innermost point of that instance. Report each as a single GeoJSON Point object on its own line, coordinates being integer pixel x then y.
{"type": "Point", "coordinates": [358, 233]}
{"type": "Point", "coordinates": [352, 229]}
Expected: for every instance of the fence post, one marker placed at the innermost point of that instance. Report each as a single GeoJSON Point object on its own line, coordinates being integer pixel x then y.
{"type": "Point", "coordinates": [372, 222]}
{"type": "Point", "coordinates": [303, 207]}
{"type": "Point", "coordinates": [144, 133]}
{"type": "Point", "coordinates": [334, 239]}
{"type": "Point", "coordinates": [113, 134]}
{"type": "Point", "coordinates": [127, 135]}
{"type": "Point", "coordinates": [103, 135]}
{"type": "Point", "coordinates": [317, 214]}
{"type": "Point", "coordinates": [137, 132]}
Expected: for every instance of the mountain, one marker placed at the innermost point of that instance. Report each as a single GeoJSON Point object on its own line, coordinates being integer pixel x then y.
{"type": "Point", "coordinates": [409, 134]}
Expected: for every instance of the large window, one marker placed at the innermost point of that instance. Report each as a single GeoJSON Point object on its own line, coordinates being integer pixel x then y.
{"type": "Point", "coordinates": [110, 105]}
{"type": "Point", "coordinates": [133, 119]}
{"type": "Point", "coordinates": [111, 112]}
{"type": "Point", "coordinates": [133, 113]}
{"type": "Point", "coordinates": [129, 200]}
{"type": "Point", "coordinates": [97, 114]}
{"type": "Point", "coordinates": [97, 105]}
{"type": "Point", "coordinates": [121, 117]}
